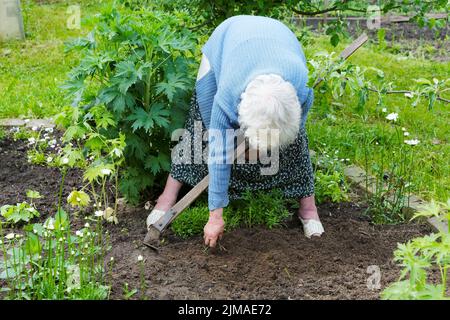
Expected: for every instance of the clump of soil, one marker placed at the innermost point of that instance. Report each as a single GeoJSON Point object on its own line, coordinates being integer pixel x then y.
{"type": "Point", "coordinates": [252, 263]}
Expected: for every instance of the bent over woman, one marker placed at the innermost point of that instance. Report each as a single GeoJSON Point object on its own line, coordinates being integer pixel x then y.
{"type": "Point", "coordinates": [252, 77]}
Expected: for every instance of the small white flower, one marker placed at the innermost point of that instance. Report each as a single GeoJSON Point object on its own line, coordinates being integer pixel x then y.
{"type": "Point", "coordinates": [98, 213]}
{"type": "Point", "coordinates": [49, 224]}
{"type": "Point", "coordinates": [409, 94]}
{"type": "Point", "coordinates": [392, 116]}
{"type": "Point", "coordinates": [31, 140]}
{"type": "Point", "coordinates": [403, 129]}
{"type": "Point", "coordinates": [347, 159]}
{"type": "Point", "coordinates": [49, 159]}
{"type": "Point", "coordinates": [406, 133]}
{"type": "Point", "coordinates": [50, 130]}
{"type": "Point", "coordinates": [65, 160]}
{"type": "Point", "coordinates": [10, 236]}
{"type": "Point", "coordinates": [106, 171]}
{"type": "Point", "coordinates": [412, 142]}
{"type": "Point", "coordinates": [117, 152]}
{"type": "Point", "coordinates": [86, 246]}
{"type": "Point", "coordinates": [140, 258]}
{"type": "Point", "coordinates": [384, 110]}
{"type": "Point", "coordinates": [79, 233]}
{"type": "Point", "coordinates": [60, 239]}
{"type": "Point", "coordinates": [86, 225]}
{"type": "Point", "coordinates": [62, 228]}
{"type": "Point", "coordinates": [111, 259]}
{"type": "Point", "coordinates": [72, 252]}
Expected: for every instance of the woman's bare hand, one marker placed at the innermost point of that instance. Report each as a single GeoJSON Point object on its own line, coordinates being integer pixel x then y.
{"type": "Point", "coordinates": [213, 230]}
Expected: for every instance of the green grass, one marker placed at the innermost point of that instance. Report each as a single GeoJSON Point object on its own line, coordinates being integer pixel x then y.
{"type": "Point", "coordinates": [31, 71]}
{"type": "Point", "coordinates": [344, 131]}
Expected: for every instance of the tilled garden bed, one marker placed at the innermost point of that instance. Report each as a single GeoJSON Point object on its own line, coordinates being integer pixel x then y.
{"type": "Point", "coordinates": [255, 263]}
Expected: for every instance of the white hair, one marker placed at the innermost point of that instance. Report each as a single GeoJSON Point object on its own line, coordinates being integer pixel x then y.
{"type": "Point", "coordinates": [269, 102]}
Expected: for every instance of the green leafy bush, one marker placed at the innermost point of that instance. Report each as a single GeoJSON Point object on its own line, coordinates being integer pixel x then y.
{"type": "Point", "coordinates": [421, 255]}
{"type": "Point", "coordinates": [134, 80]}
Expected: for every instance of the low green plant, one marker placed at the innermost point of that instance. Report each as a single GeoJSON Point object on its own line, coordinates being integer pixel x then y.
{"type": "Point", "coordinates": [50, 261]}
{"type": "Point", "coordinates": [36, 157]}
{"type": "Point", "coordinates": [191, 221]}
{"type": "Point", "coordinates": [22, 133]}
{"type": "Point", "coordinates": [389, 189]}
{"type": "Point", "coordinates": [420, 256]}
{"type": "Point", "coordinates": [330, 187]}
{"type": "Point", "coordinates": [2, 133]}
{"type": "Point", "coordinates": [260, 208]}
{"type": "Point", "coordinates": [21, 212]}
{"type": "Point", "coordinates": [127, 293]}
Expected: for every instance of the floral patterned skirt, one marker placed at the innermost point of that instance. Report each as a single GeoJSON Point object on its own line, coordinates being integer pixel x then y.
{"type": "Point", "coordinates": [295, 176]}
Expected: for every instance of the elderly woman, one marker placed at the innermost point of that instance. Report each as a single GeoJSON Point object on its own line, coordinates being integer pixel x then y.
{"type": "Point", "coordinates": [252, 76]}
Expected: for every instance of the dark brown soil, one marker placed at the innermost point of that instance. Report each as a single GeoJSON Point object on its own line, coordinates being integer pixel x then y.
{"type": "Point", "coordinates": [17, 176]}
{"type": "Point", "coordinates": [264, 264]}
{"type": "Point", "coordinates": [253, 263]}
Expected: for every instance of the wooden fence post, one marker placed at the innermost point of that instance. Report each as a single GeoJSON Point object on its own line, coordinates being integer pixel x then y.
{"type": "Point", "coordinates": [11, 22]}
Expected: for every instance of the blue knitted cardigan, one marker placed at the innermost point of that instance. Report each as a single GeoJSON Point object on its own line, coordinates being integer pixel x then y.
{"type": "Point", "coordinates": [239, 49]}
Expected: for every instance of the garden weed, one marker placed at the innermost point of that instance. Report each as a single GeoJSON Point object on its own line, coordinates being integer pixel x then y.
{"type": "Point", "coordinates": [421, 255]}
{"type": "Point", "coordinates": [266, 208]}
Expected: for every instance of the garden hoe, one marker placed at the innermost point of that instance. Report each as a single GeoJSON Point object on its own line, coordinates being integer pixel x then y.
{"type": "Point", "coordinates": [156, 229]}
